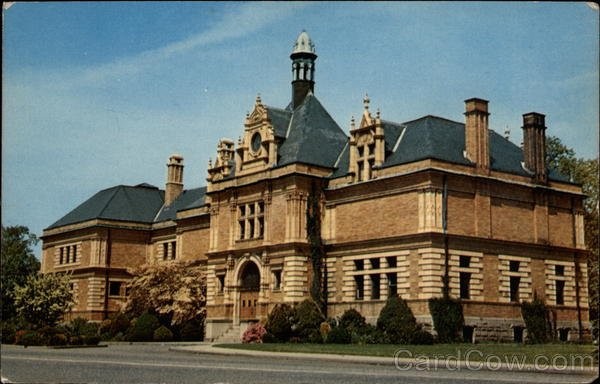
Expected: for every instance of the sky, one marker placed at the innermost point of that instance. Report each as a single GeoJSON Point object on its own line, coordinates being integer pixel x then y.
{"type": "Point", "coordinates": [100, 94]}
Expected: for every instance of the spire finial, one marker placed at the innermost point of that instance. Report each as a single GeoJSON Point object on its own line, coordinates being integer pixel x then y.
{"type": "Point", "coordinates": [366, 101]}
{"type": "Point", "coordinates": [378, 115]}
{"type": "Point", "coordinates": [258, 99]}
{"type": "Point", "coordinates": [352, 122]}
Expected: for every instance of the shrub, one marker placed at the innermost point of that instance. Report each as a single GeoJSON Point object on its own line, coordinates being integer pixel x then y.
{"type": "Point", "coordinates": [447, 318]}
{"type": "Point", "coordinates": [353, 321]}
{"type": "Point", "coordinates": [30, 338]}
{"type": "Point", "coordinates": [143, 328]}
{"type": "Point", "coordinates": [119, 323]}
{"type": "Point", "coordinates": [397, 321]}
{"type": "Point", "coordinates": [82, 328]}
{"type": "Point", "coordinates": [324, 329]}
{"type": "Point", "coordinates": [254, 333]}
{"type": "Point", "coordinates": [58, 339]}
{"type": "Point", "coordinates": [422, 337]}
{"type": "Point", "coordinates": [535, 315]}
{"type": "Point", "coordinates": [76, 340]}
{"type": "Point", "coordinates": [339, 335]}
{"type": "Point", "coordinates": [162, 333]}
{"type": "Point", "coordinates": [307, 319]}
{"type": "Point", "coordinates": [7, 332]}
{"type": "Point", "coordinates": [279, 323]}
{"type": "Point", "coordinates": [192, 330]}
{"type": "Point", "coordinates": [91, 340]}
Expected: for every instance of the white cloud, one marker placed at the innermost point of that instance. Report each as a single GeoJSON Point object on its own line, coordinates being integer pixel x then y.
{"type": "Point", "coordinates": [246, 19]}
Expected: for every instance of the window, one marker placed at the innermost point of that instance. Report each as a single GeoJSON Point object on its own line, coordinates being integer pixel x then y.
{"type": "Point", "coordinates": [359, 174]}
{"type": "Point", "coordinates": [560, 292]}
{"type": "Point", "coordinates": [221, 283]}
{"type": "Point", "coordinates": [165, 251]}
{"type": "Point", "coordinates": [465, 280]}
{"type": "Point", "coordinates": [391, 261]}
{"type": "Point", "coordinates": [74, 254]}
{"type": "Point", "coordinates": [392, 284]}
{"type": "Point", "coordinates": [173, 250]}
{"type": "Point", "coordinates": [68, 255]}
{"type": "Point", "coordinates": [361, 151]}
{"type": "Point", "coordinates": [277, 280]}
{"type": "Point", "coordinates": [251, 222]}
{"type": "Point", "coordinates": [61, 257]}
{"type": "Point", "coordinates": [563, 334]}
{"type": "Point", "coordinates": [513, 266]}
{"type": "Point", "coordinates": [464, 261]}
{"type": "Point", "coordinates": [114, 288]}
{"type": "Point", "coordinates": [360, 287]}
{"type": "Point", "coordinates": [375, 292]}
{"type": "Point", "coordinates": [374, 263]}
{"type": "Point", "coordinates": [559, 270]}
{"type": "Point", "coordinates": [514, 288]}
{"type": "Point", "coordinates": [372, 149]}
{"type": "Point", "coordinates": [359, 265]}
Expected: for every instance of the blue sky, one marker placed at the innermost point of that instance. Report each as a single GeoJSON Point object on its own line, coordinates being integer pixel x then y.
{"type": "Point", "coordinates": [100, 94]}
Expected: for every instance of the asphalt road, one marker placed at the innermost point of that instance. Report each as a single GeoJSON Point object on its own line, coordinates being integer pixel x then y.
{"type": "Point", "coordinates": [156, 364]}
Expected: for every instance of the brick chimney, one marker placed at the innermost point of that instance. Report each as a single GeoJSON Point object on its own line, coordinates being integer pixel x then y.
{"type": "Point", "coordinates": [174, 185]}
{"type": "Point", "coordinates": [477, 148]}
{"type": "Point", "coordinates": [534, 145]}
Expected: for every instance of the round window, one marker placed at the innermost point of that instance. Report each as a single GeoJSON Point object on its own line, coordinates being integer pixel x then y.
{"type": "Point", "coordinates": [256, 140]}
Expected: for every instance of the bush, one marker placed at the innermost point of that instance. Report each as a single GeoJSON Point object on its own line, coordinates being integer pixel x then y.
{"type": "Point", "coordinates": [162, 333]}
{"type": "Point", "coordinates": [29, 338]}
{"type": "Point", "coordinates": [143, 328]}
{"type": "Point", "coordinates": [537, 321]}
{"type": "Point", "coordinates": [324, 329]}
{"type": "Point", "coordinates": [353, 321]}
{"type": "Point", "coordinates": [447, 318]}
{"type": "Point", "coordinates": [7, 332]}
{"type": "Point", "coordinates": [58, 339]}
{"type": "Point", "coordinates": [422, 337]}
{"type": "Point", "coordinates": [82, 328]}
{"type": "Point", "coordinates": [307, 319]}
{"type": "Point", "coordinates": [76, 340]}
{"type": "Point", "coordinates": [339, 335]}
{"type": "Point", "coordinates": [192, 330]}
{"type": "Point", "coordinates": [254, 333]}
{"type": "Point", "coordinates": [91, 340]}
{"type": "Point", "coordinates": [279, 323]}
{"type": "Point", "coordinates": [397, 321]}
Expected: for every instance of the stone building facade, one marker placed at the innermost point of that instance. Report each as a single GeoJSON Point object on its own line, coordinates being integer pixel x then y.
{"type": "Point", "coordinates": [402, 204]}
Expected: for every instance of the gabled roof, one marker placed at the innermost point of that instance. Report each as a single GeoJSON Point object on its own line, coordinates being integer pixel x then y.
{"type": "Point", "coordinates": [191, 198]}
{"type": "Point", "coordinates": [138, 204]}
{"type": "Point", "coordinates": [313, 136]}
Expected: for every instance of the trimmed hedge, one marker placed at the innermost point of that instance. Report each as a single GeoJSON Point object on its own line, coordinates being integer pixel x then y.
{"type": "Point", "coordinates": [307, 320]}
{"type": "Point", "coordinates": [537, 321]}
{"type": "Point", "coordinates": [448, 319]}
{"type": "Point", "coordinates": [143, 328]}
{"type": "Point", "coordinates": [397, 321]}
{"type": "Point", "coordinates": [279, 323]}
{"type": "Point", "coordinates": [162, 333]}
{"type": "Point", "coordinates": [339, 335]}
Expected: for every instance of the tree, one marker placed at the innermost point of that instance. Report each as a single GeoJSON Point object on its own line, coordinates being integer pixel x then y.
{"type": "Point", "coordinates": [174, 290]}
{"type": "Point", "coordinates": [584, 172]}
{"type": "Point", "coordinates": [18, 263]}
{"type": "Point", "coordinates": [317, 250]}
{"type": "Point", "coordinates": [43, 299]}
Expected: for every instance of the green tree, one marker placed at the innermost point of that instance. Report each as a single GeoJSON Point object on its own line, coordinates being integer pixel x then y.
{"type": "Point", "coordinates": [18, 263]}
{"type": "Point", "coordinates": [317, 249]}
{"type": "Point", "coordinates": [584, 172]}
{"type": "Point", "coordinates": [43, 299]}
{"type": "Point", "coordinates": [176, 291]}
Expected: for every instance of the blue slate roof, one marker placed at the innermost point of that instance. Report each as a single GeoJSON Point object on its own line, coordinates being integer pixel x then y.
{"type": "Point", "coordinates": [122, 203]}
{"type": "Point", "coordinates": [191, 198]}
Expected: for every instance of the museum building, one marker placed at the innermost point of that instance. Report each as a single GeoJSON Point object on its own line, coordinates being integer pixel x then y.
{"type": "Point", "coordinates": [402, 205]}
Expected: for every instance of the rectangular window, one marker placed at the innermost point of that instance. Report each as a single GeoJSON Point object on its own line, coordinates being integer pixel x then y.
{"type": "Point", "coordinates": [360, 287]}
{"type": "Point", "coordinates": [374, 263]}
{"type": "Point", "coordinates": [62, 256]}
{"type": "Point", "coordinates": [251, 221]}
{"type": "Point", "coordinates": [68, 255]}
{"type": "Point", "coordinates": [464, 261]}
{"type": "Point", "coordinates": [513, 266]}
{"type": "Point", "coordinates": [221, 283]}
{"type": "Point", "coordinates": [465, 281]}
{"type": "Point", "coordinates": [392, 284]}
{"type": "Point", "coordinates": [375, 292]}
{"type": "Point", "coordinates": [361, 151]}
{"type": "Point", "coordinates": [165, 254]}
{"type": "Point", "coordinates": [242, 225]}
{"type": "Point", "coordinates": [359, 170]}
{"type": "Point", "coordinates": [359, 265]}
{"type": "Point", "coordinates": [261, 226]}
{"type": "Point", "coordinates": [74, 254]}
{"type": "Point", "coordinates": [277, 280]}
{"type": "Point", "coordinates": [372, 149]}
{"type": "Point", "coordinates": [114, 288]}
{"type": "Point", "coordinates": [515, 281]}
{"type": "Point", "coordinates": [250, 229]}
{"type": "Point", "coordinates": [391, 261]}
{"type": "Point", "coordinates": [560, 292]}
{"type": "Point", "coordinates": [559, 270]}
{"type": "Point", "coordinates": [173, 250]}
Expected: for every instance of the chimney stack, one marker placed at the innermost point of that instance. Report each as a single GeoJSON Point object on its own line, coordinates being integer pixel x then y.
{"type": "Point", "coordinates": [534, 145]}
{"type": "Point", "coordinates": [174, 185]}
{"type": "Point", "coordinates": [477, 148]}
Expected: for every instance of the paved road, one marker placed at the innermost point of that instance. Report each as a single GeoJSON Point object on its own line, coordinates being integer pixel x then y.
{"type": "Point", "coordinates": [156, 364]}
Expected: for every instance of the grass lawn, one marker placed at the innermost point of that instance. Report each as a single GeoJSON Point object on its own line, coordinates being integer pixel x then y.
{"type": "Point", "coordinates": [564, 353]}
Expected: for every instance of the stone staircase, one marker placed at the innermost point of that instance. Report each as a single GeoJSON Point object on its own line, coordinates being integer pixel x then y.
{"type": "Point", "coordinates": [232, 335]}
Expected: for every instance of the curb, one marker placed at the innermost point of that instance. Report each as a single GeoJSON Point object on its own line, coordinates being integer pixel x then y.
{"type": "Point", "coordinates": [402, 364]}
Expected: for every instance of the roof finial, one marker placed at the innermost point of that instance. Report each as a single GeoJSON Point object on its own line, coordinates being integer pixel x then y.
{"type": "Point", "coordinates": [366, 101]}
{"type": "Point", "coordinates": [352, 122]}
{"type": "Point", "coordinates": [378, 115]}
{"type": "Point", "coordinates": [209, 162]}
{"type": "Point", "coordinates": [258, 99]}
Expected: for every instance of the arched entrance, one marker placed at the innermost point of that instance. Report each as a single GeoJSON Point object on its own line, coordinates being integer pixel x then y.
{"type": "Point", "coordinates": [249, 291]}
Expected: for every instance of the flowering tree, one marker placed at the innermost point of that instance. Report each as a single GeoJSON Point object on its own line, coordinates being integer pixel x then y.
{"type": "Point", "coordinates": [174, 289]}
{"type": "Point", "coordinates": [43, 299]}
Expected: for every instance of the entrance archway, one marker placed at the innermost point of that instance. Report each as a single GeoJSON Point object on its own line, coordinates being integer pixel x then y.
{"type": "Point", "coordinates": [249, 291]}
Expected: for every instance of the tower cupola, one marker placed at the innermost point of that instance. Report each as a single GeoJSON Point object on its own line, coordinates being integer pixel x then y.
{"type": "Point", "coordinates": [303, 68]}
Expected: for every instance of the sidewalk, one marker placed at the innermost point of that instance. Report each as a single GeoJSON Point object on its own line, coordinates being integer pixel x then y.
{"type": "Point", "coordinates": [402, 364]}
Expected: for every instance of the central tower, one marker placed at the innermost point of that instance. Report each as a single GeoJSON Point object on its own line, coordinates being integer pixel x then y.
{"type": "Point", "coordinates": [303, 68]}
